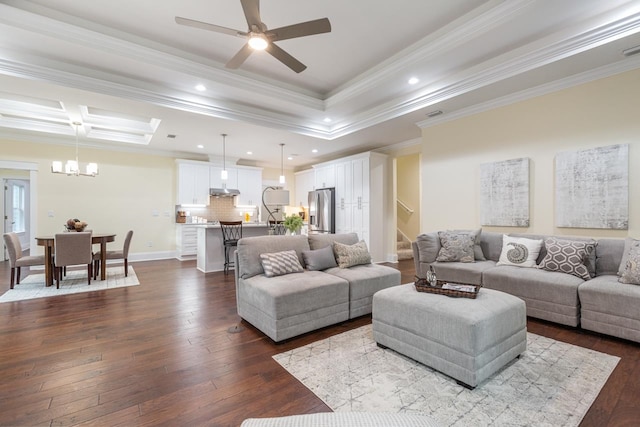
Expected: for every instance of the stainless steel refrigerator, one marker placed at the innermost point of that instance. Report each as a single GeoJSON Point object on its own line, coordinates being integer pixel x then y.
{"type": "Point", "coordinates": [322, 212]}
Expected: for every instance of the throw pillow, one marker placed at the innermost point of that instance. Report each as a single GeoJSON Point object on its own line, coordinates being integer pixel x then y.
{"type": "Point", "coordinates": [567, 256]}
{"type": "Point", "coordinates": [477, 249]}
{"type": "Point", "coordinates": [279, 263]}
{"type": "Point", "coordinates": [350, 255]}
{"type": "Point", "coordinates": [319, 259]}
{"type": "Point", "coordinates": [631, 273]}
{"type": "Point", "coordinates": [456, 247]}
{"type": "Point", "coordinates": [625, 254]}
{"type": "Point", "coordinates": [519, 251]}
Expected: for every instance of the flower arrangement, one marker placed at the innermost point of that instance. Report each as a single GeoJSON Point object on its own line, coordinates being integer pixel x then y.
{"type": "Point", "coordinates": [75, 225]}
{"type": "Point", "coordinates": [292, 223]}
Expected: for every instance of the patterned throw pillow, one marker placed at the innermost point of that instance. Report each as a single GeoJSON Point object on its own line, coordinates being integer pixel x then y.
{"type": "Point", "coordinates": [625, 255]}
{"type": "Point", "coordinates": [567, 256]}
{"type": "Point", "coordinates": [456, 247]}
{"type": "Point", "coordinates": [519, 251]}
{"type": "Point", "coordinates": [279, 263]}
{"type": "Point", "coordinates": [350, 255]}
{"type": "Point", "coordinates": [477, 249]}
{"type": "Point", "coordinates": [631, 273]}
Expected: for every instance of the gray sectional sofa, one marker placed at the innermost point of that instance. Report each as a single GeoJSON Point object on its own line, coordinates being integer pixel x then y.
{"type": "Point", "coordinates": [292, 304]}
{"type": "Point", "coordinates": [600, 304]}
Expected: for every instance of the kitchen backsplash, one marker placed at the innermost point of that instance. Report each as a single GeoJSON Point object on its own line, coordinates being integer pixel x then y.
{"type": "Point", "coordinates": [220, 209]}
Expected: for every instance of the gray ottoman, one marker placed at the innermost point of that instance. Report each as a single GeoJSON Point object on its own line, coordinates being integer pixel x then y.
{"type": "Point", "coordinates": [466, 339]}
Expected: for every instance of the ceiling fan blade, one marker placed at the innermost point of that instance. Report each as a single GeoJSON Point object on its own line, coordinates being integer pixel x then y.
{"type": "Point", "coordinates": [209, 27]}
{"type": "Point", "coordinates": [251, 10]}
{"type": "Point", "coordinates": [303, 29]}
{"type": "Point", "coordinates": [285, 58]}
{"type": "Point", "coordinates": [239, 58]}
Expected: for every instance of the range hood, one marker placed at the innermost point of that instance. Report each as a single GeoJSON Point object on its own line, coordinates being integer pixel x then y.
{"type": "Point", "coordinates": [223, 192]}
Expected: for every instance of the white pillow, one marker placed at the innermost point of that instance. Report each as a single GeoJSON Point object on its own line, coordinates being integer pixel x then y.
{"type": "Point", "coordinates": [519, 251]}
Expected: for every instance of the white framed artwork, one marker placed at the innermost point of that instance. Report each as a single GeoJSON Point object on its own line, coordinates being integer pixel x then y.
{"type": "Point", "coordinates": [592, 188]}
{"type": "Point", "coordinates": [504, 193]}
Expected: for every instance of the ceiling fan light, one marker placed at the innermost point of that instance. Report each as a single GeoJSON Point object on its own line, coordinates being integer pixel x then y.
{"type": "Point", "coordinates": [258, 41]}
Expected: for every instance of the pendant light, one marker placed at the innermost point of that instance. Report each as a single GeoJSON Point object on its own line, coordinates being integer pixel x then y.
{"type": "Point", "coordinates": [223, 174]}
{"type": "Point", "coordinates": [282, 180]}
{"type": "Point", "coordinates": [72, 167]}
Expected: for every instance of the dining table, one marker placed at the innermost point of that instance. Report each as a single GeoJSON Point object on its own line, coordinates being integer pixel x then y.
{"type": "Point", "coordinates": [96, 238]}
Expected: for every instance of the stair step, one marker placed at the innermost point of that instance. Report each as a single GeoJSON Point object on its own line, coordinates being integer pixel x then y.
{"type": "Point", "coordinates": [405, 254]}
{"type": "Point", "coordinates": [404, 245]}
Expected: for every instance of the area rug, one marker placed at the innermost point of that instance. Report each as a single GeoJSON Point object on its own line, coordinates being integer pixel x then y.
{"type": "Point", "coordinates": [552, 384]}
{"type": "Point", "coordinates": [74, 282]}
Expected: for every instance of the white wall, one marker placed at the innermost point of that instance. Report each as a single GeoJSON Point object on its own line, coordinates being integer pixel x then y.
{"type": "Point", "coordinates": [596, 114]}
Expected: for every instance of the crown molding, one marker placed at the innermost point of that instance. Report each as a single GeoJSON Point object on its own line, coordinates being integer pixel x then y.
{"type": "Point", "coordinates": [454, 34]}
{"type": "Point", "coordinates": [167, 58]}
{"type": "Point", "coordinates": [622, 66]}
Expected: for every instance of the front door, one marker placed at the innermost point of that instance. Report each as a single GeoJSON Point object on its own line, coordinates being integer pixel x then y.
{"type": "Point", "coordinates": [16, 210]}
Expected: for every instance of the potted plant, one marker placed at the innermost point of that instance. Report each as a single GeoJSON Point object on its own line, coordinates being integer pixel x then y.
{"type": "Point", "coordinates": [292, 223]}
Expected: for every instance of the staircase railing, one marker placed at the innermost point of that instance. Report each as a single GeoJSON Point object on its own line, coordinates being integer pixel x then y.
{"type": "Point", "coordinates": [404, 206]}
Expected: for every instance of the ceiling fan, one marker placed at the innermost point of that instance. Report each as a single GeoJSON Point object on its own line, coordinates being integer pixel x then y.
{"type": "Point", "coordinates": [260, 38]}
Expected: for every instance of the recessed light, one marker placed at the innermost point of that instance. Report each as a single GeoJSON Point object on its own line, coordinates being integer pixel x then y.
{"type": "Point", "coordinates": [249, 152]}
{"type": "Point", "coordinates": [289, 158]}
{"type": "Point", "coordinates": [413, 80]}
{"type": "Point", "coordinates": [201, 88]}
{"type": "Point", "coordinates": [200, 146]}
{"type": "Point", "coordinates": [314, 150]}
{"type": "Point", "coordinates": [434, 113]}
{"type": "Point", "coordinates": [327, 119]}
{"type": "Point", "coordinates": [171, 136]}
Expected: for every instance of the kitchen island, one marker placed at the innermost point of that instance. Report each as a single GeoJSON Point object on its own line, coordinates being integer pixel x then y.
{"type": "Point", "coordinates": [210, 253]}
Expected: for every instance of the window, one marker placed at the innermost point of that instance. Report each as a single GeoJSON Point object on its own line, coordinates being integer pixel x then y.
{"type": "Point", "coordinates": [19, 207]}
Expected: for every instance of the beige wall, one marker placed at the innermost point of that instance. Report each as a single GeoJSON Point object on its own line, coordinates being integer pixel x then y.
{"type": "Point", "coordinates": [408, 178]}
{"type": "Point", "coordinates": [125, 195]}
{"type": "Point", "coordinates": [596, 114]}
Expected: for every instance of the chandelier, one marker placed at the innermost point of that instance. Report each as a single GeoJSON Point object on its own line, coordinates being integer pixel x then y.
{"type": "Point", "coordinates": [72, 167]}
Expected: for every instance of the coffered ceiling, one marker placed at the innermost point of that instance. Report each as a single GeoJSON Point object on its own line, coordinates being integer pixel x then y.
{"type": "Point", "coordinates": [129, 73]}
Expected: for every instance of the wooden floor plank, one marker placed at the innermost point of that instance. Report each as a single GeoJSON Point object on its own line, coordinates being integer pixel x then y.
{"type": "Point", "coordinates": [161, 354]}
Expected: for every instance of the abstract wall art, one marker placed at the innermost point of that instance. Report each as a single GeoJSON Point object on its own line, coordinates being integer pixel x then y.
{"type": "Point", "coordinates": [504, 193]}
{"type": "Point", "coordinates": [592, 188]}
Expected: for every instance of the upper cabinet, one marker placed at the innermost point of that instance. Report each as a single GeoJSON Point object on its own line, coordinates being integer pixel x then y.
{"type": "Point", "coordinates": [193, 183]}
{"type": "Point", "coordinates": [304, 184]}
{"type": "Point", "coordinates": [215, 177]}
{"type": "Point", "coordinates": [325, 176]}
{"type": "Point", "coordinates": [250, 186]}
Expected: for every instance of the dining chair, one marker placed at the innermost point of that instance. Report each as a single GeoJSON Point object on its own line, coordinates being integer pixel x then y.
{"type": "Point", "coordinates": [118, 254]}
{"type": "Point", "coordinates": [17, 259]}
{"type": "Point", "coordinates": [231, 233]}
{"type": "Point", "coordinates": [72, 249]}
{"type": "Point", "coordinates": [277, 227]}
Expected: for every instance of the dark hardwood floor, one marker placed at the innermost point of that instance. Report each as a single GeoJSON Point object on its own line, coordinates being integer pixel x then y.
{"type": "Point", "coordinates": [162, 354]}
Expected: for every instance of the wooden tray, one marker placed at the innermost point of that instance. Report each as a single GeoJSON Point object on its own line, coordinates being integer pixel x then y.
{"type": "Point", "coordinates": [423, 286]}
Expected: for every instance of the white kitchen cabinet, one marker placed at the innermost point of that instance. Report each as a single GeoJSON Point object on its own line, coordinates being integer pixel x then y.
{"type": "Point", "coordinates": [250, 186]}
{"type": "Point", "coordinates": [304, 184]}
{"type": "Point", "coordinates": [325, 176]}
{"type": "Point", "coordinates": [360, 205]}
{"type": "Point", "coordinates": [215, 177]}
{"type": "Point", "coordinates": [193, 183]}
{"type": "Point", "coordinates": [186, 241]}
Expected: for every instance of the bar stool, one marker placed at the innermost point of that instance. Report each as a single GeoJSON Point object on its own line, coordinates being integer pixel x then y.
{"type": "Point", "coordinates": [277, 227]}
{"type": "Point", "coordinates": [231, 233]}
